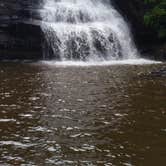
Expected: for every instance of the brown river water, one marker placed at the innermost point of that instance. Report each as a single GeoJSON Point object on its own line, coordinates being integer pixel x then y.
{"type": "Point", "coordinates": [86, 116]}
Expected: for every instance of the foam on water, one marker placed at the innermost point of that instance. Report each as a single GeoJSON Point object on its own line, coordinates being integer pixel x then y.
{"type": "Point", "coordinates": [138, 61]}
{"type": "Point", "coordinates": [85, 30]}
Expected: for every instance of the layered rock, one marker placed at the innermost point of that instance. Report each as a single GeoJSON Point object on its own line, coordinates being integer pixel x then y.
{"type": "Point", "coordinates": [20, 35]}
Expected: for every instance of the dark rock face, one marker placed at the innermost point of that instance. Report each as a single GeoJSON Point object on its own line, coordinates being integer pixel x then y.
{"type": "Point", "coordinates": [20, 34]}
{"type": "Point", "coordinates": [146, 39]}
{"type": "Point", "coordinates": [133, 11]}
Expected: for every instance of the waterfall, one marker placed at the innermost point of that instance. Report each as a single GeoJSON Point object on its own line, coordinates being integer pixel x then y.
{"type": "Point", "coordinates": [85, 30]}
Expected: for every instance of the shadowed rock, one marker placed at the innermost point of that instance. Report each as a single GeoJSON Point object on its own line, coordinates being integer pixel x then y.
{"type": "Point", "coordinates": [20, 35]}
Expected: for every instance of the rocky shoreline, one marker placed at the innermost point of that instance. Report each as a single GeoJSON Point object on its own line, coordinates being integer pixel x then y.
{"type": "Point", "coordinates": [21, 36]}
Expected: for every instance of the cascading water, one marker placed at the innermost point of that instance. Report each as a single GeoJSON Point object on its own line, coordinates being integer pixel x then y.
{"type": "Point", "coordinates": [87, 30]}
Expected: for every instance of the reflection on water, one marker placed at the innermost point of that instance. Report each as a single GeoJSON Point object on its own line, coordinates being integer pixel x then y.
{"type": "Point", "coordinates": [107, 115]}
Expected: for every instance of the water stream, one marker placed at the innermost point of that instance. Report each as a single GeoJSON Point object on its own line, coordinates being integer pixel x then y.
{"type": "Point", "coordinates": [87, 30]}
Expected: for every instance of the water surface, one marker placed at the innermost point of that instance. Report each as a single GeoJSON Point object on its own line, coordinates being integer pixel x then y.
{"type": "Point", "coordinates": [87, 115]}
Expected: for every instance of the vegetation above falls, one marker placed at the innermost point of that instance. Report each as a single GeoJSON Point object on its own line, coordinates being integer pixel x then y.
{"type": "Point", "coordinates": [155, 16]}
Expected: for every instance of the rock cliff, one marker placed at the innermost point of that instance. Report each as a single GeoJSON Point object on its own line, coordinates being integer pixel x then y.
{"type": "Point", "coordinates": [20, 34]}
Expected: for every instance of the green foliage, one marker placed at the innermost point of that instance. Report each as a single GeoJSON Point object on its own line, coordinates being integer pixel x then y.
{"type": "Point", "coordinates": [156, 16]}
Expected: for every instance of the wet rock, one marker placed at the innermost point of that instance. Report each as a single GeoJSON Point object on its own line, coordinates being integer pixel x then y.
{"type": "Point", "coordinates": [20, 40]}
{"type": "Point", "coordinates": [20, 34]}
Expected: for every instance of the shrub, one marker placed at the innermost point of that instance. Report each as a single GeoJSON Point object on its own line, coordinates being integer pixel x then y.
{"type": "Point", "coordinates": [156, 16]}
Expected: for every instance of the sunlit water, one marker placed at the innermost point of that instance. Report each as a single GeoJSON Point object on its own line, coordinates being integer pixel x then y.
{"type": "Point", "coordinates": [87, 115]}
